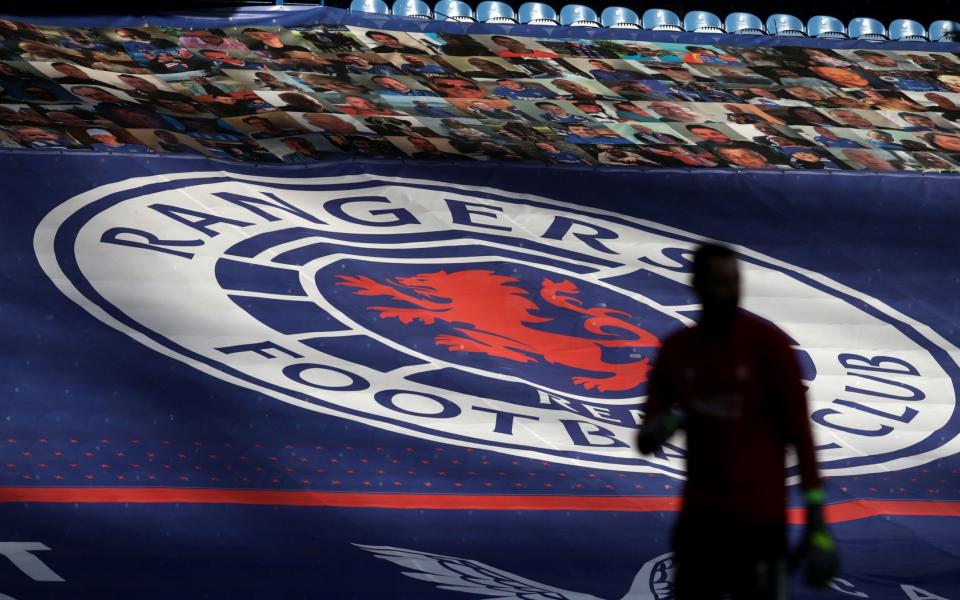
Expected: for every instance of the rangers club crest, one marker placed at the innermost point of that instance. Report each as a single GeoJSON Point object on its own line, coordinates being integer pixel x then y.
{"type": "Point", "coordinates": [467, 315]}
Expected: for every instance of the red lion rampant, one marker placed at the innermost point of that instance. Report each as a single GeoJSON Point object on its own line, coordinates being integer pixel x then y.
{"type": "Point", "coordinates": [492, 316]}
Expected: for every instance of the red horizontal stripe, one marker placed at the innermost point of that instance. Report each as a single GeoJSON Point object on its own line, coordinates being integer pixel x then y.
{"type": "Point", "coordinates": [839, 512]}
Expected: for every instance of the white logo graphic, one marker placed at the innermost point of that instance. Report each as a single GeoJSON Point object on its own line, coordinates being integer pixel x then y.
{"type": "Point", "coordinates": [469, 315]}
{"type": "Point", "coordinates": [654, 581]}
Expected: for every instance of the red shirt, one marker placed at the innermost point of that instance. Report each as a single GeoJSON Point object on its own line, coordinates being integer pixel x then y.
{"type": "Point", "coordinates": [745, 403]}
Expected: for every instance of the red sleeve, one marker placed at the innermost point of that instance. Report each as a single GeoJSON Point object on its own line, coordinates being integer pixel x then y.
{"type": "Point", "coordinates": [659, 395]}
{"type": "Point", "coordinates": [789, 391]}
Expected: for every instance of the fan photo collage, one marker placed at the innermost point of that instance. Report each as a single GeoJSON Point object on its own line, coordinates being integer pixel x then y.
{"type": "Point", "coordinates": [328, 92]}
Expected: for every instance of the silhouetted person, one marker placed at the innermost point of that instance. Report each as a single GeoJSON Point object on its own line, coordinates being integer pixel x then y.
{"type": "Point", "coordinates": [733, 383]}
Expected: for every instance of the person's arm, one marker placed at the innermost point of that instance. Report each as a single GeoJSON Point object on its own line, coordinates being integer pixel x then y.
{"type": "Point", "coordinates": [818, 545]}
{"type": "Point", "coordinates": [662, 418]}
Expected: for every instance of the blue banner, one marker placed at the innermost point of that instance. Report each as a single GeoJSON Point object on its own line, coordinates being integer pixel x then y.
{"type": "Point", "coordinates": [391, 371]}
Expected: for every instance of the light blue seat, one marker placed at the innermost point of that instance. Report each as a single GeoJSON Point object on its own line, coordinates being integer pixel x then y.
{"type": "Point", "coordinates": [659, 19]}
{"type": "Point", "coordinates": [417, 9]}
{"type": "Point", "coordinates": [786, 25]}
{"type": "Point", "coordinates": [865, 28]}
{"type": "Point", "coordinates": [578, 15]}
{"type": "Point", "coordinates": [493, 11]}
{"type": "Point", "coordinates": [906, 30]}
{"type": "Point", "coordinates": [375, 7]}
{"type": "Point", "coordinates": [453, 10]}
{"type": "Point", "coordinates": [619, 17]}
{"type": "Point", "coordinates": [826, 27]}
{"type": "Point", "coordinates": [537, 13]}
{"type": "Point", "coordinates": [944, 31]}
{"type": "Point", "coordinates": [701, 21]}
{"type": "Point", "coordinates": [744, 24]}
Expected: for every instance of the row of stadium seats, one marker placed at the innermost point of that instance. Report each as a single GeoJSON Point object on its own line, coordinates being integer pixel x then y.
{"type": "Point", "coordinates": [698, 21]}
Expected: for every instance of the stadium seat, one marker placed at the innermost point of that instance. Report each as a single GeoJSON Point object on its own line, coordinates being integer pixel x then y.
{"type": "Point", "coordinates": [906, 30]}
{"type": "Point", "coordinates": [618, 17]}
{"type": "Point", "coordinates": [417, 9]}
{"type": "Point", "coordinates": [701, 21]}
{"type": "Point", "coordinates": [865, 28]}
{"type": "Point", "coordinates": [826, 27]}
{"type": "Point", "coordinates": [376, 7]}
{"type": "Point", "coordinates": [453, 10]}
{"type": "Point", "coordinates": [744, 24]}
{"type": "Point", "coordinates": [537, 13]}
{"type": "Point", "coordinates": [785, 25]}
{"type": "Point", "coordinates": [492, 11]}
{"type": "Point", "coordinates": [578, 15]}
{"type": "Point", "coordinates": [944, 31]}
{"type": "Point", "coordinates": [659, 19]}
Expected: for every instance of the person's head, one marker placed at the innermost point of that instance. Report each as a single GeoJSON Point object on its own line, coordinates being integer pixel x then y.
{"type": "Point", "coordinates": [298, 100]}
{"type": "Point", "coordinates": [809, 116]}
{"type": "Point", "coordinates": [551, 108]}
{"type": "Point", "coordinates": [851, 118]}
{"type": "Point", "coordinates": [915, 120]}
{"type": "Point", "coordinates": [806, 156]}
{"type": "Point", "coordinates": [766, 128]}
{"type": "Point", "coordinates": [759, 92]}
{"type": "Point", "coordinates": [65, 118]}
{"type": "Point", "coordinates": [413, 59]}
{"type": "Point", "coordinates": [487, 66]}
{"type": "Point", "coordinates": [930, 160]}
{"type": "Point", "coordinates": [589, 107]}
{"type": "Point", "coordinates": [510, 84]}
{"type": "Point", "coordinates": [947, 142]}
{"type": "Point", "coordinates": [599, 64]}
{"type": "Point", "coordinates": [876, 58]}
{"type": "Point", "coordinates": [165, 136]}
{"type": "Point", "coordinates": [138, 83]}
{"type": "Point", "coordinates": [259, 34]}
{"type": "Point", "coordinates": [509, 43]}
{"type": "Point", "coordinates": [826, 132]}
{"type": "Point", "coordinates": [573, 88]}
{"type": "Point", "coordinates": [744, 157]}
{"type": "Point", "coordinates": [359, 102]}
{"type": "Point", "coordinates": [675, 72]}
{"type": "Point", "coordinates": [457, 87]}
{"type": "Point", "coordinates": [422, 143]}
{"type": "Point", "coordinates": [26, 134]}
{"type": "Point", "coordinates": [69, 70]}
{"type": "Point", "coordinates": [580, 130]}
{"type": "Point", "coordinates": [701, 50]}
{"type": "Point", "coordinates": [95, 94]}
{"type": "Point", "coordinates": [716, 281]}
{"type": "Point", "coordinates": [384, 39]}
{"type": "Point", "coordinates": [880, 136]}
{"type": "Point", "coordinates": [951, 81]}
{"type": "Point", "coordinates": [804, 93]}
{"type": "Point", "coordinates": [940, 100]}
{"type": "Point", "coordinates": [709, 133]}
{"type": "Point", "coordinates": [547, 147]}
{"type": "Point", "coordinates": [672, 111]}
{"type": "Point", "coordinates": [103, 136]}
{"type": "Point", "coordinates": [353, 59]}
{"type": "Point", "coordinates": [178, 106]}
{"type": "Point", "coordinates": [330, 123]}
{"type": "Point", "coordinates": [299, 145]}
{"type": "Point", "coordinates": [841, 77]}
{"type": "Point", "coordinates": [391, 83]}
{"type": "Point", "coordinates": [128, 33]}
{"type": "Point", "coordinates": [260, 123]}
{"type": "Point", "coordinates": [211, 54]}
{"type": "Point", "coordinates": [265, 77]}
{"type": "Point", "coordinates": [868, 159]}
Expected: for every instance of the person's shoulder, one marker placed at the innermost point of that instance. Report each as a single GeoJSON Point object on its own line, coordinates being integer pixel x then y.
{"type": "Point", "coordinates": [762, 330]}
{"type": "Point", "coordinates": [677, 338]}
